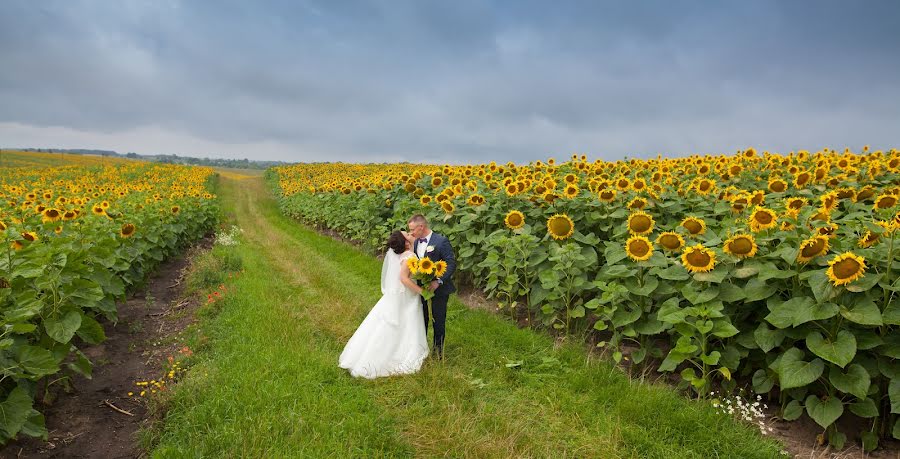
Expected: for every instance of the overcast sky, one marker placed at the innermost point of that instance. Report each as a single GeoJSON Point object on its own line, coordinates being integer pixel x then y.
{"type": "Point", "coordinates": [448, 81]}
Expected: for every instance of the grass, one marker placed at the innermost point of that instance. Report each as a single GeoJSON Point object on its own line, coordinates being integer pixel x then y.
{"type": "Point", "coordinates": [266, 382]}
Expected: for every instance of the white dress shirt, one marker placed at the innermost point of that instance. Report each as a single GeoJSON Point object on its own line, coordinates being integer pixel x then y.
{"type": "Point", "coordinates": [420, 247]}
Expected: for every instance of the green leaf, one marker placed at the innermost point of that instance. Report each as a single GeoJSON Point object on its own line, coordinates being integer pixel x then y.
{"type": "Point", "coordinates": [91, 331]}
{"type": "Point", "coordinates": [34, 426]}
{"type": "Point", "coordinates": [766, 338]}
{"type": "Point", "coordinates": [745, 272]}
{"type": "Point", "coordinates": [577, 312]}
{"type": "Point", "coordinates": [81, 365]}
{"type": "Point", "coordinates": [762, 381]}
{"type": "Point", "coordinates": [797, 311]}
{"type": "Point", "coordinates": [699, 296]}
{"type": "Point", "coordinates": [894, 393]}
{"type": "Point", "coordinates": [62, 328]}
{"type": "Point", "coordinates": [863, 312]}
{"type": "Point", "coordinates": [730, 293]}
{"type": "Point", "coordinates": [37, 360]}
{"type": "Point", "coordinates": [14, 411]}
{"type": "Point", "coordinates": [865, 408]}
{"type": "Point", "coordinates": [855, 381]}
{"type": "Point", "coordinates": [864, 284]}
{"type": "Point", "coordinates": [824, 412]}
{"type": "Point", "coordinates": [896, 432]}
{"type": "Point", "coordinates": [839, 352]}
{"type": "Point", "coordinates": [674, 273]}
{"type": "Point", "coordinates": [724, 329]}
{"type": "Point", "coordinates": [669, 312]}
{"type": "Point", "coordinates": [757, 289]}
{"type": "Point", "coordinates": [793, 371]}
{"type": "Point", "coordinates": [869, 441]}
{"type": "Point", "coordinates": [792, 411]}
{"type": "Point", "coordinates": [891, 314]}
{"type": "Point", "coordinates": [821, 286]}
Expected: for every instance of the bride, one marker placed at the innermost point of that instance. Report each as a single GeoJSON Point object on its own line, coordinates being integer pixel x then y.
{"type": "Point", "coordinates": [391, 340]}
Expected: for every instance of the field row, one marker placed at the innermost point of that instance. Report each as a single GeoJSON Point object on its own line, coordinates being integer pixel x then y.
{"type": "Point", "coordinates": [775, 271]}
{"type": "Point", "coordinates": [75, 239]}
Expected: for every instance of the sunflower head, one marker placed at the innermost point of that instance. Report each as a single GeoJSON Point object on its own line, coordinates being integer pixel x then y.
{"type": "Point", "coordinates": [812, 248]}
{"type": "Point", "coordinates": [30, 236]}
{"type": "Point", "coordinates": [440, 268]}
{"type": "Point", "coordinates": [98, 210]}
{"type": "Point", "coordinates": [608, 195]}
{"type": "Point", "coordinates": [637, 203]}
{"type": "Point", "coordinates": [885, 201]}
{"type": "Point", "coordinates": [698, 259]}
{"type": "Point", "coordinates": [670, 241]}
{"type": "Point", "coordinates": [447, 206]}
{"type": "Point", "coordinates": [639, 248]}
{"type": "Point", "coordinates": [560, 227]}
{"type": "Point", "coordinates": [413, 265]}
{"type": "Point", "coordinates": [846, 268]}
{"type": "Point", "coordinates": [175, 210]}
{"type": "Point", "coordinates": [868, 239]}
{"type": "Point", "coordinates": [425, 199]}
{"type": "Point", "coordinates": [741, 246]}
{"type": "Point", "coordinates": [69, 215]}
{"type": "Point", "coordinates": [426, 266]}
{"type": "Point", "coordinates": [695, 226]}
{"type": "Point", "coordinates": [640, 223]}
{"type": "Point", "coordinates": [762, 219]}
{"type": "Point", "coordinates": [51, 215]}
{"type": "Point", "coordinates": [777, 185]}
{"type": "Point", "coordinates": [127, 230]}
{"type": "Point", "coordinates": [514, 219]}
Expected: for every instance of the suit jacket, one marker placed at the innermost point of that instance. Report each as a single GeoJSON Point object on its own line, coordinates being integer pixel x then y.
{"type": "Point", "coordinates": [442, 251]}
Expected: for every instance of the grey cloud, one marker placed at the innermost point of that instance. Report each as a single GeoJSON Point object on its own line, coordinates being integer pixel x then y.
{"type": "Point", "coordinates": [459, 81]}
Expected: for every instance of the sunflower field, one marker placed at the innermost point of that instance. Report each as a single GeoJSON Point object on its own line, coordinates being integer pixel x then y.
{"type": "Point", "coordinates": [75, 239]}
{"type": "Point", "coordinates": [760, 269]}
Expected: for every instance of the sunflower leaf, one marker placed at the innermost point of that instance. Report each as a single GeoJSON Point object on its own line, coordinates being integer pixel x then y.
{"type": "Point", "coordinates": [839, 351]}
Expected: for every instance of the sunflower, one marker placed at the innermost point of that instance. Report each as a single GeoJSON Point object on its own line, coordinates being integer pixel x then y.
{"type": "Point", "coordinates": [698, 259]}
{"type": "Point", "coordinates": [571, 191]}
{"type": "Point", "coordinates": [885, 201]}
{"type": "Point", "coordinates": [58, 230]}
{"type": "Point", "coordinates": [426, 266]}
{"type": "Point", "coordinates": [794, 205]}
{"type": "Point", "coordinates": [128, 230]}
{"type": "Point", "coordinates": [607, 195]}
{"type": "Point", "coordinates": [705, 186]}
{"type": "Point", "coordinates": [448, 206]}
{"type": "Point", "coordinates": [51, 215]}
{"type": "Point", "coordinates": [514, 219]}
{"type": "Point", "coordinates": [2, 226]}
{"type": "Point", "coordinates": [812, 248]}
{"type": "Point", "coordinates": [762, 219]}
{"type": "Point", "coordinates": [30, 236]}
{"type": "Point", "coordinates": [777, 185]}
{"type": "Point", "coordinates": [640, 223]}
{"type": "Point", "coordinates": [69, 215]}
{"type": "Point", "coordinates": [695, 226]}
{"type": "Point", "coordinates": [639, 248]}
{"type": "Point", "coordinates": [846, 268]}
{"type": "Point", "coordinates": [802, 179]}
{"type": "Point", "coordinates": [475, 200]}
{"type": "Point", "coordinates": [828, 230]}
{"type": "Point", "coordinates": [637, 203]}
{"type": "Point", "coordinates": [560, 226]}
{"type": "Point", "coordinates": [425, 199]}
{"type": "Point", "coordinates": [670, 241]}
{"type": "Point", "coordinates": [741, 246]}
{"type": "Point", "coordinates": [869, 239]}
{"type": "Point", "coordinates": [175, 210]}
{"type": "Point", "coordinates": [413, 265]}
{"type": "Point", "coordinates": [440, 268]}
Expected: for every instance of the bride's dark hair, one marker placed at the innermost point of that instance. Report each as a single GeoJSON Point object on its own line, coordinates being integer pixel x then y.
{"type": "Point", "coordinates": [397, 242]}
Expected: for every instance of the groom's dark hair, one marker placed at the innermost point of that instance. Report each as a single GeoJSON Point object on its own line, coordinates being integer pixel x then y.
{"type": "Point", "coordinates": [417, 218]}
{"type": "Point", "coordinates": [397, 242]}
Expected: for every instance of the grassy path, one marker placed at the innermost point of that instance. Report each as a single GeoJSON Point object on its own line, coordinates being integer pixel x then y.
{"type": "Point", "coordinates": [267, 382]}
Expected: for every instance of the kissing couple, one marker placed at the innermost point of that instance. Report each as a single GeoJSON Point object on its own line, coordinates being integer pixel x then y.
{"type": "Point", "coordinates": [391, 339]}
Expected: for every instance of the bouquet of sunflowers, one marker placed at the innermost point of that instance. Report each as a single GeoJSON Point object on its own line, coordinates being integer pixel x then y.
{"type": "Point", "coordinates": [424, 270]}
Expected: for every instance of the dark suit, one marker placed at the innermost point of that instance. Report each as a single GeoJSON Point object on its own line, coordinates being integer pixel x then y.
{"type": "Point", "coordinates": [442, 251]}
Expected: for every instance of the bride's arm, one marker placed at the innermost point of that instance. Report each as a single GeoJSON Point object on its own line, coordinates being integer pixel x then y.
{"type": "Point", "coordinates": [405, 279]}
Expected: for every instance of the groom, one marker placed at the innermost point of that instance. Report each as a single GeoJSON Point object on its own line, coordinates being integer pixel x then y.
{"type": "Point", "coordinates": [436, 247]}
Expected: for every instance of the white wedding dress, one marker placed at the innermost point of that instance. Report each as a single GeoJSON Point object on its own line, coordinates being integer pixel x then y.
{"type": "Point", "coordinates": [391, 340]}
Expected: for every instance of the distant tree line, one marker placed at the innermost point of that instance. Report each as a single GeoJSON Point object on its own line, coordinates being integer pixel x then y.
{"type": "Point", "coordinates": [168, 159]}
